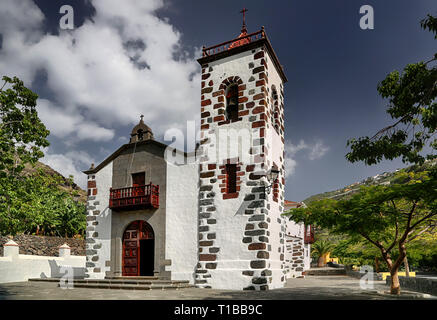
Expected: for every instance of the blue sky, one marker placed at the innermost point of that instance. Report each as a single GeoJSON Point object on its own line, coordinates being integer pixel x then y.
{"type": "Point", "coordinates": [124, 58]}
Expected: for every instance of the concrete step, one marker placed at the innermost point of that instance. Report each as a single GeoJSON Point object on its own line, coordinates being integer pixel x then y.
{"type": "Point", "coordinates": [134, 278]}
{"type": "Point", "coordinates": [326, 271]}
{"type": "Point", "coordinates": [124, 283]}
{"type": "Point", "coordinates": [117, 281]}
{"type": "Point", "coordinates": [121, 286]}
{"type": "Point", "coordinates": [130, 281]}
{"type": "Point", "coordinates": [44, 279]}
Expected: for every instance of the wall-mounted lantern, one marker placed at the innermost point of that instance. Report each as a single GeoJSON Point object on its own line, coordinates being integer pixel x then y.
{"type": "Point", "coordinates": [272, 177]}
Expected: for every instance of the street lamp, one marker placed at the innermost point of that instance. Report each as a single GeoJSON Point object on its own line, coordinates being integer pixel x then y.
{"type": "Point", "coordinates": [272, 177]}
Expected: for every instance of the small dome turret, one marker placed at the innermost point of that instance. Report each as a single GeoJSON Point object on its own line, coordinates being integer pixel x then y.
{"type": "Point", "coordinates": [141, 132]}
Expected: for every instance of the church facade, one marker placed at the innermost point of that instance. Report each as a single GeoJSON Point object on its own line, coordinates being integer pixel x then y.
{"type": "Point", "coordinates": [214, 216]}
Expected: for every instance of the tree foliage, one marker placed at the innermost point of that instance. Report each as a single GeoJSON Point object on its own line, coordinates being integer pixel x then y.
{"type": "Point", "coordinates": [22, 134]}
{"type": "Point", "coordinates": [388, 217]}
{"type": "Point", "coordinates": [412, 104]}
{"type": "Point", "coordinates": [321, 247]}
{"type": "Point", "coordinates": [34, 203]}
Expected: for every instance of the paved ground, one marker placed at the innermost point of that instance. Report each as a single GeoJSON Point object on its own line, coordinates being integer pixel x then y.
{"type": "Point", "coordinates": [312, 287]}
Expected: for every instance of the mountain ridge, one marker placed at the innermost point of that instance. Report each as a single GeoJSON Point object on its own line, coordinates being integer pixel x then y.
{"type": "Point", "coordinates": [384, 178]}
{"type": "Point", "coordinates": [70, 187]}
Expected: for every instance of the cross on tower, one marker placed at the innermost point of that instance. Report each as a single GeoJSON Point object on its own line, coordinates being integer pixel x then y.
{"type": "Point", "coordinates": [244, 19]}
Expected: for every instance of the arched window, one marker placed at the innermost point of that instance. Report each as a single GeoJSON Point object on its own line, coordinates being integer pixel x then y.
{"type": "Point", "coordinates": [275, 109]}
{"type": "Point", "coordinates": [232, 103]}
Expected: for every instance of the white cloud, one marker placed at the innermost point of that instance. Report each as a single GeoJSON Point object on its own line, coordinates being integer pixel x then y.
{"type": "Point", "coordinates": [318, 150]}
{"type": "Point", "coordinates": [104, 74]}
{"type": "Point", "coordinates": [290, 166]}
{"type": "Point", "coordinates": [314, 152]}
{"type": "Point", "coordinates": [94, 70]}
{"type": "Point", "coordinates": [292, 149]}
{"type": "Point", "coordinates": [64, 124]}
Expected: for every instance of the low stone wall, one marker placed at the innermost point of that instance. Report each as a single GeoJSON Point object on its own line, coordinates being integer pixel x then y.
{"type": "Point", "coordinates": [325, 271]}
{"type": "Point", "coordinates": [423, 285]}
{"type": "Point", "coordinates": [359, 275]}
{"type": "Point", "coordinates": [44, 246]}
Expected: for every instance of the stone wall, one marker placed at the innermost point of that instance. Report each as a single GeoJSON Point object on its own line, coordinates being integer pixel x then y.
{"type": "Point", "coordinates": [425, 285]}
{"type": "Point", "coordinates": [359, 275]}
{"type": "Point", "coordinates": [99, 219]}
{"type": "Point", "coordinates": [294, 256]}
{"type": "Point", "coordinates": [44, 246]}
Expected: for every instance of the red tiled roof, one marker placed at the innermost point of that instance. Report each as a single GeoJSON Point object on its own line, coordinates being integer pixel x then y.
{"type": "Point", "coordinates": [240, 42]}
{"type": "Point", "coordinates": [292, 204]}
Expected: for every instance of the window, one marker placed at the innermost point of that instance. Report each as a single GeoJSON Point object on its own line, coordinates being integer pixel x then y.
{"type": "Point", "coordinates": [232, 103]}
{"type": "Point", "coordinates": [276, 184]}
{"type": "Point", "coordinates": [275, 108]}
{"type": "Point", "coordinates": [231, 178]}
{"type": "Point", "coordinates": [138, 179]}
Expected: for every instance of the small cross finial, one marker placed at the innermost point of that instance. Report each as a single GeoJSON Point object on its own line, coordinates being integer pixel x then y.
{"type": "Point", "coordinates": [244, 19]}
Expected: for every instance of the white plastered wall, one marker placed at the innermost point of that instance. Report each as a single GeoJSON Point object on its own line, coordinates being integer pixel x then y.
{"type": "Point", "coordinates": [275, 146]}
{"type": "Point", "coordinates": [181, 220]}
{"type": "Point", "coordinates": [16, 267]}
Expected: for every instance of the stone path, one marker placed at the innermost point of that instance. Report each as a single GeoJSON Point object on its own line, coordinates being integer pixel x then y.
{"type": "Point", "coordinates": [312, 287]}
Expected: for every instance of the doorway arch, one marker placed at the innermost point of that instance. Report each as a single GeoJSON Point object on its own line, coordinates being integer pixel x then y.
{"type": "Point", "coordinates": [138, 249]}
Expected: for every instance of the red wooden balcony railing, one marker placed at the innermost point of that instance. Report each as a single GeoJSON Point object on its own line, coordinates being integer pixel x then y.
{"type": "Point", "coordinates": [237, 42]}
{"type": "Point", "coordinates": [309, 235]}
{"type": "Point", "coordinates": [133, 198]}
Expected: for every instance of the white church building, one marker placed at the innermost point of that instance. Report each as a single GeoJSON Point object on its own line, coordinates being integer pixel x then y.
{"type": "Point", "coordinates": [212, 217]}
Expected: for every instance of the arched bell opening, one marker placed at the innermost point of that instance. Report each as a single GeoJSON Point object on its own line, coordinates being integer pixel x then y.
{"type": "Point", "coordinates": [232, 103]}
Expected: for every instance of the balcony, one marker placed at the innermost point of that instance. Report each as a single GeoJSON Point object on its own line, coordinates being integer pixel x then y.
{"type": "Point", "coordinates": [134, 198]}
{"type": "Point", "coordinates": [309, 235]}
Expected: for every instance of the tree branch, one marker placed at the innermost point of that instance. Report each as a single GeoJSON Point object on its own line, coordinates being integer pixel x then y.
{"type": "Point", "coordinates": [380, 132]}
{"type": "Point", "coordinates": [376, 243]}
{"type": "Point", "coordinates": [396, 234]}
{"type": "Point", "coordinates": [418, 234]}
{"type": "Point", "coordinates": [423, 219]}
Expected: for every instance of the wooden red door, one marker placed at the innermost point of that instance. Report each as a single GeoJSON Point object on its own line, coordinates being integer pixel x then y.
{"type": "Point", "coordinates": [138, 182]}
{"type": "Point", "coordinates": [131, 250]}
{"type": "Point", "coordinates": [134, 233]}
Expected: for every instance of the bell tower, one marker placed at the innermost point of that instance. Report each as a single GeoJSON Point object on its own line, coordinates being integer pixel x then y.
{"type": "Point", "coordinates": [241, 170]}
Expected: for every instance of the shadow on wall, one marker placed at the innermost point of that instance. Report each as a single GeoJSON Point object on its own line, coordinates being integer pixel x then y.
{"type": "Point", "coordinates": [59, 271]}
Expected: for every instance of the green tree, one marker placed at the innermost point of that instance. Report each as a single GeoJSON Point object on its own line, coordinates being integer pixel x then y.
{"type": "Point", "coordinates": [39, 206]}
{"type": "Point", "coordinates": [30, 203]}
{"type": "Point", "coordinates": [319, 248]}
{"type": "Point", "coordinates": [387, 217]}
{"type": "Point", "coordinates": [22, 134]}
{"type": "Point", "coordinates": [412, 105]}
{"type": "Point", "coordinates": [355, 252]}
